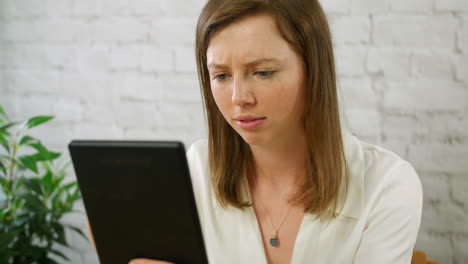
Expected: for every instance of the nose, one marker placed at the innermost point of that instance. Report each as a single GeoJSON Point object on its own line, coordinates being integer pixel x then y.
{"type": "Point", "coordinates": [242, 93]}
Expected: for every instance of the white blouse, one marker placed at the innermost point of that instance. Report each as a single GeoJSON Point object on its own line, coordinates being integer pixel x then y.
{"type": "Point", "coordinates": [378, 223]}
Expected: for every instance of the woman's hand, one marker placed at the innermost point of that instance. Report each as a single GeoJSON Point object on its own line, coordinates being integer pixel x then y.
{"type": "Point", "coordinates": [148, 261]}
{"type": "Point", "coordinates": [90, 233]}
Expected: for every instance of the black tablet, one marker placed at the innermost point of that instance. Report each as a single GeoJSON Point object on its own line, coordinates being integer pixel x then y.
{"type": "Point", "coordinates": [139, 200]}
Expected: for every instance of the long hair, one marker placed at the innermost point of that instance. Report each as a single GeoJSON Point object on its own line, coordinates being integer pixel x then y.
{"type": "Point", "coordinates": [303, 24]}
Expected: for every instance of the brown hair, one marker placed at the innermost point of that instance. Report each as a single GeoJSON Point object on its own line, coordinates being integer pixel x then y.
{"type": "Point", "coordinates": [303, 24]}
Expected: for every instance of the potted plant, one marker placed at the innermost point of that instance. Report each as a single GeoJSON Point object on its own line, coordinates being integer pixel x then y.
{"type": "Point", "coordinates": [34, 196]}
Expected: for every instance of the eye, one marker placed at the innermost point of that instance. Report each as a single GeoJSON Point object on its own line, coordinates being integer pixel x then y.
{"type": "Point", "coordinates": [220, 77]}
{"type": "Point", "coordinates": [265, 74]}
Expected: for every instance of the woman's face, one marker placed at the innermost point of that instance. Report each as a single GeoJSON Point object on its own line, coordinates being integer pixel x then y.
{"type": "Point", "coordinates": [253, 71]}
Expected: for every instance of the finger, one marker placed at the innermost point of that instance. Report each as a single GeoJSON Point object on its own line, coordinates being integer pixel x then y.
{"type": "Point", "coordinates": [148, 261]}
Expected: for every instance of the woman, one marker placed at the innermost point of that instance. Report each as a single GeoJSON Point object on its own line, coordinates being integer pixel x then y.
{"type": "Point", "coordinates": [279, 180]}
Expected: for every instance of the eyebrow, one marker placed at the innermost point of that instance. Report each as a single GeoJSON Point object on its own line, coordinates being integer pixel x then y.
{"type": "Point", "coordinates": [248, 64]}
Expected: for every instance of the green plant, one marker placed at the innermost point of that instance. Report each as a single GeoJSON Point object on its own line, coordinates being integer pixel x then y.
{"type": "Point", "coordinates": [33, 196]}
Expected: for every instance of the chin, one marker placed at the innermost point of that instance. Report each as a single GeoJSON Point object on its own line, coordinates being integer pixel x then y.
{"type": "Point", "coordinates": [253, 138]}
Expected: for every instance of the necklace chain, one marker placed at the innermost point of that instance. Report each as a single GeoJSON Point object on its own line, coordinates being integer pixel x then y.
{"type": "Point", "coordinates": [274, 239]}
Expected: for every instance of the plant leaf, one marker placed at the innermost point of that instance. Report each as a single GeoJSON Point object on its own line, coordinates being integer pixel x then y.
{"type": "Point", "coordinates": [7, 126]}
{"type": "Point", "coordinates": [30, 162]}
{"type": "Point", "coordinates": [33, 185]}
{"type": "Point", "coordinates": [26, 140]}
{"type": "Point", "coordinates": [4, 142]}
{"type": "Point", "coordinates": [37, 120]}
{"type": "Point", "coordinates": [6, 238]}
{"type": "Point", "coordinates": [79, 231]}
{"type": "Point", "coordinates": [43, 153]}
{"type": "Point", "coordinates": [58, 253]}
{"type": "Point", "coordinates": [2, 112]}
{"type": "Point", "coordinates": [34, 203]}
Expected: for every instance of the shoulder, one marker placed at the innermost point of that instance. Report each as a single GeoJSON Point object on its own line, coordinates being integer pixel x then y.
{"type": "Point", "coordinates": [197, 154]}
{"type": "Point", "coordinates": [389, 179]}
{"type": "Point", "coordinates": [197, 159]}
{"type": "Point", "coordinates": [392, 206]}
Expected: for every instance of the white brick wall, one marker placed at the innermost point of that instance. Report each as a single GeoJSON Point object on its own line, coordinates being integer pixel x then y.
{"type": "Point", "coordinates": [126, 69]}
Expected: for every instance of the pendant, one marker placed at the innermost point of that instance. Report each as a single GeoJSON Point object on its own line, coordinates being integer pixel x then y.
{"type": "Point", "coordinates": [274, 240]}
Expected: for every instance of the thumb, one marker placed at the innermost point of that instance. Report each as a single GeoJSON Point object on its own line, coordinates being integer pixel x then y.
{"type": "Point", "coordinates": [148, 261]}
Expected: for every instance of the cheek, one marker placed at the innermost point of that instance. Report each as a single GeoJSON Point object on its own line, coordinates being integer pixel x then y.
{"type": "Point", "coordinates": [221, 99]}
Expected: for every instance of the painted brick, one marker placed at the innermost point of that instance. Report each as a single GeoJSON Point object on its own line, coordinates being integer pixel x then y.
{"type": "Point", "coordinates": [140, 133]}
{"type": "Point", "coordinates": [24, 56]}
{"type": "Point", "coordinates": [451, 5]}
{"type": "Point", "coordinates": [64, 31]}
{"type": "Point", "coordinates": [186, 115]}
{"type": "Point", "coordinates": [336, 6]}
{"type": "Point", "coordinates": [407, 96]}
{"type": "Point", "coordinates": [60, 57]}
{"type": "Point", "coordinates": [147, 8]}
{"type": "Point", "coordinates": [357, 93]}
{"type": "Point", "coordinates": [462, 68]}
{"type": "Point", "coordinates": [21, 31]}
{"type": "Point", "coordinates": [23, 8]}
{"type": "Point", "coordinates": [368, 6]}
{"type": "Point", "coordinates": [95, 131]}
{"type": "Point", "coordinates": [430, 65]}
{"type": "Point", "coordinates": [400, 127]}
{"type": "Point", "coordinates": [90, 257]}
{"type": "Point", "coordinates": [443, 128]}
{"type": "Point", "coordinates": [350, 60]}
{"type": "Point", "coordinates": [436, 187]}
{"type": "Point", "coordinates": [460, 242]}
{"type": "Point", "coordinates": [2, 54]}
{"type": "Point", "coordinates": [364, 122]}
{"type": "Point", "coordinates": [125, 57]}
{"type": "Point", "coordinates": [156, 59]}
{"type": "Point", "coordinates": [459, 185]}
{"type": "Point", "coordinates": [116, 7]}
{"type": "Point", "coordinates": [391, 63]}
{"type": "Point", "coordinates": [395, 146]}
{"type": "Point", "coordinates": [86, 7]}
{"type": "Point", "coordinates": [120, 30]}
{"type": "Point", "coordinates": [99, 112]}
{"type": "Point", "coordinates": [58, 8]}
{"type": "Point", "coordinates": [139, 86]}
{"type": "Point", "coordinates": [185, 60]}
{"type": "Point", "coordinates": [189, 8]}
{"type": "Point", "coordinates": [414, 6]}
{"type": "Point", "coordinates": [351, 29]}
{"type": "Point", "coordinates": [69, 109]}
{"type": "Point", "coordinates": [32, 81]}
{"type": "Point", "coordinates": [180, 88]}
{"type": "Point", "coordinates": [168, 32]}
{"type": "Point", "coordinates": [439, 157]}
{"type": "Point", "coordinates": [136, 113]}
{"type": "Point", "coordinates": [415, 31]}
{"type": "Point", "coordinates": [463, 36]}
{"type": "Point", "coordinates": [95, 58]}
{"type": "Point", "coordinates": [90, 87]}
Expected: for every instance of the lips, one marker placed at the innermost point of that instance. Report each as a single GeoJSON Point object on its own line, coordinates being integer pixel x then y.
{"type": "Point", "coordinates": [250, 120]}
{"type": "Point", "coordinates": [250, 124]}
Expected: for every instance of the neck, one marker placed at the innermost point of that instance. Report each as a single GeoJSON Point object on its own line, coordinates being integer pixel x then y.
{"type": "Point", "coordinates": [275, 164]}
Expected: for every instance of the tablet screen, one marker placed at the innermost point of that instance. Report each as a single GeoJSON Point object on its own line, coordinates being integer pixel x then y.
{"type": "Point", "coordinates": [139, 200]}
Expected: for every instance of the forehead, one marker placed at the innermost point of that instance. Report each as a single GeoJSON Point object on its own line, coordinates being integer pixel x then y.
{"type": "Point", "coordinates": [249, 38]}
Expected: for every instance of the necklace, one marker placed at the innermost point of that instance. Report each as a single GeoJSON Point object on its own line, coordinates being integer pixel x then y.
{"type": "Point", "coordinates": [274, 240]}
